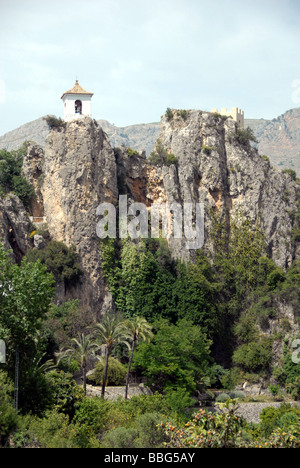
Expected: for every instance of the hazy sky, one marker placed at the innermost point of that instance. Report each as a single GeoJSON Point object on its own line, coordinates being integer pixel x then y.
{"type": "Point", "coordinates": [139, 57]}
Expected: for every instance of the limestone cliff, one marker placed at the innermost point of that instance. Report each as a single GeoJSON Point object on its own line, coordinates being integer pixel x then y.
{"type": "Point", "coordinates": [78, 169]}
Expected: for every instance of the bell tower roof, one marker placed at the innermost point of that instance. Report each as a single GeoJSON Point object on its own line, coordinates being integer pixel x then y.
{"type": "Point", "coordinates": [77, 89]}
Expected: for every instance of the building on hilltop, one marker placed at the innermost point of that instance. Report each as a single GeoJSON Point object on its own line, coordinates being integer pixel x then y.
{"type": "Point", "coordinates": [235, 113]}
{"type": "Point", "coordinates": [77, 103]}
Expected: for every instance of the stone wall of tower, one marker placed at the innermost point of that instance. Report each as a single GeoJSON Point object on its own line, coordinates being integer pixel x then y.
{"type": "Point", "coordinates": [235, 113]}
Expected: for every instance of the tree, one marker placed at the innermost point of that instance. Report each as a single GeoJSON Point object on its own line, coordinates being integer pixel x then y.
{"type": "Point", "coordinates": [10, 175]}
{"type": "Point", "coordinates": [84, 348]}
{"type": "Point", "coordinates": [26, 292]}
{"type": "Point", "coordinates": [138, 327]}
{"type": "Point", "coordinates": [60, 260]}
{"type": "Point", "coordinates": [176, 356]}
{"type": "Point", "coordinates": [109, 333]}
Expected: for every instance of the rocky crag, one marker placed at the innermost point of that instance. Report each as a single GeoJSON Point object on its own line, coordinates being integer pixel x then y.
{"type": "Point", "coordinates": [77, 169]}
{"type": "Point", "coordinates": [279, 139]}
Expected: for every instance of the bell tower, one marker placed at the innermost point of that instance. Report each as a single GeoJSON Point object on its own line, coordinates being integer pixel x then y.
{"type": "Point", "coordinates": [77, 103]}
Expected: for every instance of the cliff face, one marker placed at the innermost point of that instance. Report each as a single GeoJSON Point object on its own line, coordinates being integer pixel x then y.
{"type": "Point", "coordinates": [78, 169]}
{"type": "Point", "coordinates": [75, 172]}
{"type": "Point", "coordinates": [215, 169]}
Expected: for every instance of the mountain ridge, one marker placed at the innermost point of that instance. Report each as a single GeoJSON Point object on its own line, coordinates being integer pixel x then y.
{"type": "Point", "coordinates": [279, 139]}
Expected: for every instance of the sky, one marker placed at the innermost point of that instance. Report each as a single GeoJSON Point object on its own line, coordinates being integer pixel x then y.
{"type": "Point", "coordinates": [139, 57]}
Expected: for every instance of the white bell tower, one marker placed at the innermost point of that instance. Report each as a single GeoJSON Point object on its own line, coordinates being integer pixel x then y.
{"type": "Point", "coordinates": [77, 103]}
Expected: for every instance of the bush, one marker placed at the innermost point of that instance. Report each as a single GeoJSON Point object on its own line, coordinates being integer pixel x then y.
{"type": "Point", "coordinates": [244, 136]}
{"type": "Point", "coordinates": [150, 432]}
{"type": "Point", "coordinates": [60, 260]}
{"type": "Point", "coordinates": [179, 400]}
{"type": "Point", "coordinates": [254, 356]}
{"type": "Point", "coordinates": [156, 403]}
{"type": "Point", "coordinates": [10, 175]}
{"type": "Point", "coordinates": [65, 392]}
{"type": "Point", "coordinates": [291, 173]}
{"type": "Point", "coordinates": [282, 417]}
{"type": "Point", "coordinates": [116, 372]}
{"type": "Point", "coordinates": [171, 159]}
{"type": "Point", "coordinates": [169, 114]}
{"type": "Point", "coordinates": [54, 431]}
{"type": "Point", "coordinates": [54, 122]}
{"type": "Point", "coordinates": [183, 114]}
{"type": "Point", "coordinates": [8, 415]}
{"type": "Point", "coordinates": [120, 437]}
{"type": "Point", "coordinates": [160, 157]}
{"type": "Point", "coordinates": [93, 413]}
{"type": "Point", "coordinates": [222, 398]}
{"type": "Point", "coordinates": [237, 394]}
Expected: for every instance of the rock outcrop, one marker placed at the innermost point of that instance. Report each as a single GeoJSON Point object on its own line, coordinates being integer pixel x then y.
{"type": "Point", "coordinates": [78, 169]}
{"type": "Point", "coordinates": [213, 168]}
{"type": "Point", "coordinates": [15, 226]}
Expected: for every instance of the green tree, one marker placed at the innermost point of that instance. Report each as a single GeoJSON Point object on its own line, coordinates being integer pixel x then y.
{"type": "Point", "coordinates": [83, 349]}
{"type": "Point", "coordinates": [177, 355]}
{"type": "Point", "coordinates": [26, 294]}
{"type": "Point", "coordinates": [8, 414]}
{"type": "Point", "coordinates": [195, 292]}
{"type": "Point", "coordinates": [60, 260]}
{"type": "Point", "coordinates": [10, 175]}
{"type": "Point", "coordinates": [109, 333]}
{"type": "Point", "coordinates": [138, 329]}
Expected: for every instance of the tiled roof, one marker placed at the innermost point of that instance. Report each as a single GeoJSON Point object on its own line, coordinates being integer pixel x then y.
{"type": "Point", "coordinates": [77, 89]}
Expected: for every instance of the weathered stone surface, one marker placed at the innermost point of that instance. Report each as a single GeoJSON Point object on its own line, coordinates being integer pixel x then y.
{"type": "Point", "coordinates": [14, 226]}
{"type": "Point", "coordinates": [78, 169]}
{"type": "Point", "coordinates": [217, 171]}
{"type": "Point", "coordinates": [79, 174]}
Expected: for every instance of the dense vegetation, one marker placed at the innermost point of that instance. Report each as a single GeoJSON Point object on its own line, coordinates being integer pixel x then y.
{"type": "Point", "coordinates": [181, 328]}
{"type": "Point", "coordinates": [11, 179]}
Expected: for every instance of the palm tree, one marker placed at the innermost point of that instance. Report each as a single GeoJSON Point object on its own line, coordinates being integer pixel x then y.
{"type": "Point", "coordinates": [138, 328]}
{"type": "Point", "coordinates": [110, 332]}
{"type": "Point", "coordinates": [84, 348]}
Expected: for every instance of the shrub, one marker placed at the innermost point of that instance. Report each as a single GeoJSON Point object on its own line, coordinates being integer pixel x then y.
{"type": "Point", "coordinates": [171, 159]}
{"type": "Point", "coordinates": [179, 400]}
{"type": "Point", "coordinates": [254, 356]}
{"type": "Point", "coordinates": [291, 173]}
{"type": "Point", "coordinates": [244, 136]}
{"type": "Point", "coordinates": [282, 417]}
{"type": "Point", "coordinates": [93, 413]}
{"type": "Point", "coordinates": [10, 175]}
{"type": "Point", "coordinates": [237, 394]}
{"type": "Point", "coordinates": [222, 398]}
{"type": "Point", "coordinates": [120, 437]}
{"type": "Point", "coordinates": [183, 114]}
{"type": "Point", "coordinates": [8, 415]}
{"type": "Point", "coordinates": [116, 372]}
{"type": "Point", "coordinates": [60, 260]}
{"type": "Point", "coordinates": [54, 122]}
{"type": "Point", "coordinates": [132, 152]}
{"type": "Point", "coordinates": [150, 431]}
{"type": "Point", "coordinates": [55, 431]}
{"type": "Point", "coordinates": [156, 403]}
{"type": "Point", "coordinates": [160, 157]}
{"type": "Point", "coordinates": [169, 114]}
{"type": "Point", "coordinates": [65, 392]}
